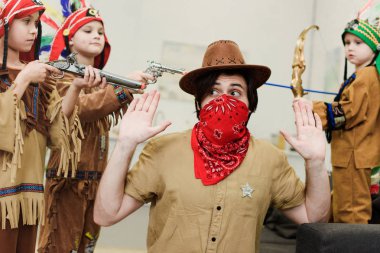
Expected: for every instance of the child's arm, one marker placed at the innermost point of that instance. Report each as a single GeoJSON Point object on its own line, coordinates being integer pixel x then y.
{"type": "Point", "coordinates": [351, 110]}
{"type": "Point", "coordinates": [33, 72]}
{"type": "Point", "coordinates": [10, 118]}
{"type": "Point", "coordinates": [101, 103]}
{"type": "Point", "coordinates": [354, 104]}
{"type": "Point", "coordinates": [91, 79]}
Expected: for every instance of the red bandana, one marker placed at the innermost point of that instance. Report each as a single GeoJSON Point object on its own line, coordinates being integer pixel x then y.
{"type": "Point", "coordinates": [220, 139]}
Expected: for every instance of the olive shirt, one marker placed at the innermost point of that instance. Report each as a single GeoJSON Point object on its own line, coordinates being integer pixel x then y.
{"type": "Point", "coordinates": [186, 216]}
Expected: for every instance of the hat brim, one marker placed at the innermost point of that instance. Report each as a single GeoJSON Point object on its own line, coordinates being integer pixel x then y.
{"type": "Point", "coordinates": [259, 74]}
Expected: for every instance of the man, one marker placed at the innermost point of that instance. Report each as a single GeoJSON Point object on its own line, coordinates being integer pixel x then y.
{"type": "Point", "coordinates": [210, 187]}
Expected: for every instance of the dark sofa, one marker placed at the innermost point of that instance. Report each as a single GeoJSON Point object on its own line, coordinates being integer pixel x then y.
{"type": "Point", "coordinates": [338, 237]}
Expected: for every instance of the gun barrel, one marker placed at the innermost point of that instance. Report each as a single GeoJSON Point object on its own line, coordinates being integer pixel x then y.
{"type": "Point", "coordinates": [172, 71]}
{"type": "Point", "coordinates": [122, 81]}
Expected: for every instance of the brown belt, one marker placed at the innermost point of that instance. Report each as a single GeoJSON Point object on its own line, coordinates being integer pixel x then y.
{"type": "Point", "coordinates": [80, 174]}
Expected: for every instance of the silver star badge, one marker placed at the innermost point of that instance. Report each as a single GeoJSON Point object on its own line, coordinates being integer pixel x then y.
{"type": "Point", "coordinates": [246, 190]}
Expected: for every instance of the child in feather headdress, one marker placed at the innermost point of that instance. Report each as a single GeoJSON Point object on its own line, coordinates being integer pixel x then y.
{"type": "Point", "coordinates": [69, 223]}
{"type": "Point", "coordinates": [32, 117]}
{"type": "Point", "coordinates": [352, 122]}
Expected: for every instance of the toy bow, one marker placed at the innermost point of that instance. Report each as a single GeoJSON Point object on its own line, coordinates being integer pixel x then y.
{"type": "Point", "coordinates": [299, 65]}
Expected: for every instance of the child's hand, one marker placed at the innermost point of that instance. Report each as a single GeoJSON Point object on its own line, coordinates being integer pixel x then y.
{"type": "Point", "coordinates": [35, 72]}
{"type": "Point", "coordinates": [91, 79]}
{"type": "Point", "coordinates": [141, 77]}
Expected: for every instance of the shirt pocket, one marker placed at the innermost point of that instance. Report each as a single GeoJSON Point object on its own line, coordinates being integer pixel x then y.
{"type": "Point", "coordinates": [249, 195]}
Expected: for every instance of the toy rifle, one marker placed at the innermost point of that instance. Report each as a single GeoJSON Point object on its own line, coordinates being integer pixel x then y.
{"type": "Point", "coordinates": [71, 65]}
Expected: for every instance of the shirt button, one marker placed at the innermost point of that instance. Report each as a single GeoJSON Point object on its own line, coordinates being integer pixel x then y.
{"type": "Point", "coordinates": [218, 208]}
{"type": "Point", "coordinates": [213, 239]}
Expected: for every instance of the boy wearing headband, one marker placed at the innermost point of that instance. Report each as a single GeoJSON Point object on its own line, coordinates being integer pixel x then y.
{"type": "Point", "coordinates": [32, 117]}
{"type": "Point", "coordinates": [352, 123]}
{"type": "Point", "coordinates": [69, 225]}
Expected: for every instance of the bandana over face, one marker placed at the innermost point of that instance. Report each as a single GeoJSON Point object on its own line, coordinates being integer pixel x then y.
{"type": "Point", "coordinates": [220, 139]}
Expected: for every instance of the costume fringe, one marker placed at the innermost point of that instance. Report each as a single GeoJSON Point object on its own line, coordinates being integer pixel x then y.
{"type": "Point", "coordinates": [19, 146]}
{"type": "Point", "coordinates": [32, 209]}
{"type": "Point", "coordinates": [12, 161]}
{"type": "Point", "coordinates": [71, 135]}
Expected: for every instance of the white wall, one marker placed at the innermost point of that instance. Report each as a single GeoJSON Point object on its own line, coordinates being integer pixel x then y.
{"type": "Point", "coordinates": [265, 30]}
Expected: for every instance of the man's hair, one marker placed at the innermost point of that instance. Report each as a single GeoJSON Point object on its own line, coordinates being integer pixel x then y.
{"type": "Point", "coordinates": [205, 83]}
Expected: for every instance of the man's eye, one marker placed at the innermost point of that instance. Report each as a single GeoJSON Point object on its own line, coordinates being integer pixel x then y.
{"type": "Point", "coordinates": [27, 20]}
{"type": "Point", "coordinates": [214, 92]}
{"type": "Point", "coordinates": [235, 93]}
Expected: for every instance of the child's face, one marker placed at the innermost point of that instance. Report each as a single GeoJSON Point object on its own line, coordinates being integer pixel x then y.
{"type": "Point", "coordinates": [22, 33]}
{"type": "Point", "coordinates": [89, 40]}
{"type": "Point", "coordinates": [357, 52]}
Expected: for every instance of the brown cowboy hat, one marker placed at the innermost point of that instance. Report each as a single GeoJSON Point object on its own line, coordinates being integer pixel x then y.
{"type": "Point", "coordinates": [224, 55]}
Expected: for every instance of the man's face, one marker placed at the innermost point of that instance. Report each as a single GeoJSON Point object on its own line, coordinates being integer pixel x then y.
{"type": "Point", "coordinates": [233, 85]}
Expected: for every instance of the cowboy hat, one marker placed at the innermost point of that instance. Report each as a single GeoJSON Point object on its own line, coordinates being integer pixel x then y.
{"type": "Point", "coordinates": [224, 55]}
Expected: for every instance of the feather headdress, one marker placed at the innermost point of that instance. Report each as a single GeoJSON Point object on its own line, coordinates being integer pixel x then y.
{"type": "Point", "coordinates": [55, 14]}
{"type": "Point", "coordinates": [366, 27]}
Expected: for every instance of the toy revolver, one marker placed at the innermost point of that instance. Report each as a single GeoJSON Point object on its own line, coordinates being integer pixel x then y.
{"type": "Point", "coordinates": [157, 69]}
{"type": "Point", "coordinates": [71, 65]}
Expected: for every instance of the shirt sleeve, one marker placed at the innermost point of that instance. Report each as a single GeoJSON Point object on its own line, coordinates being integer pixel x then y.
{"type": "Point", "coordinates": [12, 113]}
{"type": "Point", "coordinates": [97, 104]}
{"type": "Point", "coordinates": [320, 108]}
{"type": "Point", "coordinates": [288, 190]}
{"type": "Point", "coordinates": [143, 180]}
{"type": "Point", "coordinates": [354, 103]}
{"type": "Point", "coordinates": [9, 106]}
{"type": "Point", "coordinates": [350, 111]}
{"type": "Point", "coordinates": [65, 135]}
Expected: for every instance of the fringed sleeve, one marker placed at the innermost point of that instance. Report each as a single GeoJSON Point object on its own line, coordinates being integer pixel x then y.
{"type": "Point", "coordinates": [12, 142]}
{"type": "Point", "coordinates": [98, 104]}
{"type": "Point", "coordinates": [65, 134]}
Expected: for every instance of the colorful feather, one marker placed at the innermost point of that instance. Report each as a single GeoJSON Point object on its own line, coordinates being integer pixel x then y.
{"type": "Point", "coordinates": [66, 10]}
{"type": "Point", "coordinates": [47, 20]}
{"type": "Point", "coordinates": [55, 14]}
{"type": "Point", "coordinates": [368, 5]}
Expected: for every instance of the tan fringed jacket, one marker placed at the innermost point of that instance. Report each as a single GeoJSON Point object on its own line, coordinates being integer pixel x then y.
{"type": "Point", "coordinates": [23, 148]}
{"type": "Point", "coordinates": [99, 109]}
{"type": "Point", "coordinates": [358, 113]}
